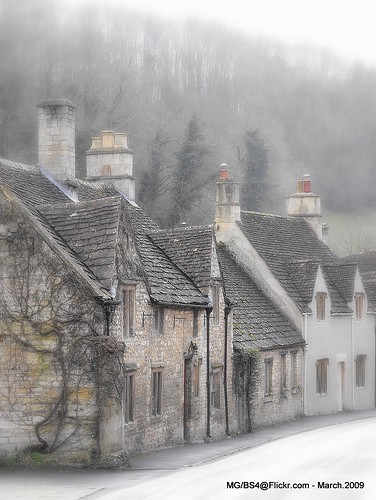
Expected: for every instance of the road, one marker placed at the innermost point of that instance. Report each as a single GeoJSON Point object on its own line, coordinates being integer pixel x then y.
{"type": "Point", "coordinates": [343, 454]}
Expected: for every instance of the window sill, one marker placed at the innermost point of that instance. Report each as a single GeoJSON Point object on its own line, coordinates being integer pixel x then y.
{"type": "Point", "coordinates": [268, 398]}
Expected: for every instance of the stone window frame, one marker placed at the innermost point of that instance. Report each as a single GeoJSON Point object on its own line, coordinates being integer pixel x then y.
{"type": "Point", "coordinates": [294, 369]}
{"type": "Point", "coordinates": [359, 299]}
{"type": "Point", "coordinates": [156, 391]}
{"type": "Point", "coordinates": [284, 384]}
{"type": "Point", "coordinates": [129, 309]}
{"type": "Point", "coordinates": [321, 305]}
{"type": "Point", "coordinates": [360, 371]}
{"type": "Point", "coordinates": [322, 376]}
{"type": "Point", "coordinates": [129, 395]}
{"type": "Point", "coordinates": [268, 377]}
{"type": "Point", "coordinates": [158, 320]}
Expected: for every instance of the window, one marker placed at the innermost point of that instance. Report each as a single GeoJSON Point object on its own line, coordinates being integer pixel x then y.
{"type": "Point", "coordinates": [129, 397]}
{"type": "Point", "coordinates": [268, 370]}
{"type": "Point", "coordinates": [294, 369]}
{"type": "Point", "coordinates": [215, 392]}
{"type": "Point", "coordinates": [320, 306]}
{"type": "Point", "coordinates": [158, 317]}
{"type": "Point", "coordinates": [283, 372]}
{"type": "Point", "coordinates": [215, 298]}
{"type": "Point", "coordinates": [359, 306]}
{"type": "Point", "coordinates": [129, 311]}
{"type": "Point", "coordinates": [156, 403]}
{"type": "Point", "coordinates": [322, 376]}
{"type": "Point", "coordinates": [360, 370]}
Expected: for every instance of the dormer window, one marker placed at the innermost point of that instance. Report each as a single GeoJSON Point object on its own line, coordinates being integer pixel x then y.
{"type": "Point", "coordinates": [359, 306]}
{"type": "Point", "coordinates": [320, 306]}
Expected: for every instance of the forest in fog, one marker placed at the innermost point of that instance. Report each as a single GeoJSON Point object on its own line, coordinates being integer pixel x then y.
{"type": "Point", "coordinates": [191, 96]}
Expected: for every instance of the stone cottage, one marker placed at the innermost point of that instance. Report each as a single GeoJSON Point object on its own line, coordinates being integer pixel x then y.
{"type": "Point", "coordinates": [108, 342]}
{"type": "Point", "coordinates": [322, 298]}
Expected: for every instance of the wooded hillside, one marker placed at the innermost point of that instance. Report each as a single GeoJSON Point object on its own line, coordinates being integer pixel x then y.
{"type": "Point", "coordinates": [191, 97]}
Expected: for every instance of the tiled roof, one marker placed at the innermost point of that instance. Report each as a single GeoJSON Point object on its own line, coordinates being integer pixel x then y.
{"type": "Point", "coordinates": [367, 267]}
{"type": "Point", "coordinates": [293, 252]}
{"type": "Point", "coordinates": [167, 283]}
{"type": "Point", "coordinates": [90, 229]}
{"type": "Point", "coordinates": [191, 249]}
{"type": "Point", "coordinates": [257, 323]}
{"type": "Point", "coordinates": [87, 231]}
{"type": "Point", "coordinates": [30, 185]}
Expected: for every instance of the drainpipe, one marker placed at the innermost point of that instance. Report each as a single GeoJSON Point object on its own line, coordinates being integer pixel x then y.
{"type": "Point", "coordinates": [305, 337]}
{"type": "Point", "coordinates": [227, 312]}
{"type": "Point", "coordinates": [352, 365]}
{"type": "Point", "coordinates": [208, 312]}
{"type": "Point", "coordinates": [375, 367]}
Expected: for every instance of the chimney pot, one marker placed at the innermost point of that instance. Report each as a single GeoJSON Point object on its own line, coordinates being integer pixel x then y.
{"type": "Point", "coordinates": [307, 183]}
{"type": "Point", "coordinates": [224, 174]}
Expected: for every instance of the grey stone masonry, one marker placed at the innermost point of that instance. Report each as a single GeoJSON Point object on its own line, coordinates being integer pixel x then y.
{"type": "Point", "coordinates": [110, 160]}
{"type": "Point", "coordinates": [56, 137]}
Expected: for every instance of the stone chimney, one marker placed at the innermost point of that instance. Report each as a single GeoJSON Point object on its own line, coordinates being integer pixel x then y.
{"type": "Point", "coordinates": [227, 206]}
{"type": "Point", "coordinates": [110, 161]}
{"type": "Point", "coordinates": [307, 205]}
{"type": "Point", "coordinates": [56, 138]}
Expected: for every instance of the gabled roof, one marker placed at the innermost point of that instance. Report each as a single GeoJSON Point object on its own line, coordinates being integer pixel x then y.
{"type": "Point", "coordinates": [293, 252]}
{"type": "Point", "coordinates": [191, 249]}
{"type": "Point", "coordinates": [166, 282]}
{"type": "Point", "coordinates": [90, 229]}
{"type": "Point", "coordinates": [257, 323]}
{"type": "Point", "coordinates": [86, 233]}
{"type": "Point", "coordinates": [366, 263]}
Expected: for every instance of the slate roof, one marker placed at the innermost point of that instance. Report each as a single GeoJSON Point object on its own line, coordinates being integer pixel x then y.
{"type": "Point", "coordinates": [87, 231]}
{"type": "Point", "coordinates": [191, 248]}
{"type": "Point", "coordinates": [91, 230]}
{"type": "Point", "coordinates": [257, 323]}
{"type": "Point", "coordinates": [30, 185]}
{"type": "Point", "coordinates": [367, 267]}
{"type": "Point", "coordinates": [293, 253]}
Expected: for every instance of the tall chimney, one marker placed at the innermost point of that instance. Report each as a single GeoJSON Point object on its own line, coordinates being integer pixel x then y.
{"type": "Point", "coordinates": [110, 160]}
{"type": "Point", "coordinates": [56, 138]}
{"type": "Point", "coordinates": [307, 205]}
{"type": "Point", "coordinates": [227, 207]}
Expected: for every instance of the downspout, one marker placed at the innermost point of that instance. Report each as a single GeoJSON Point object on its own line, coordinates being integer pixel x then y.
{"type": "Point", "coordinates": [352, 365]}
{"type": "Point", "coordinates": [375, 368]}
{"type": "Point", "coordinates": [305, 337]}
{"type": "Point", "coordinates": [208, 312]}
{"type": "Point", "coordinates": [227, 312]}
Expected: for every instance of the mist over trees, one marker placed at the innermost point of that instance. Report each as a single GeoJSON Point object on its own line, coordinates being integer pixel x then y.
{"type": "Point", "coordinates": [148, 77]}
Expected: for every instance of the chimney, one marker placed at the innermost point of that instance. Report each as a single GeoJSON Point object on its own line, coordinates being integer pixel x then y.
{"type": "Point", "coordinates": [227, 207]}
{"type": "Point", "coordinates": [110, 161]}
{"type": "Point", "coordinates": [56, 138]}
{"type": "Point", "coordinates": [307, 205]}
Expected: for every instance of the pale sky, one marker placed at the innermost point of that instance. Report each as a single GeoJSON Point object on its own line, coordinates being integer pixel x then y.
{"type": "Point", "coordinates": [347, 27]}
